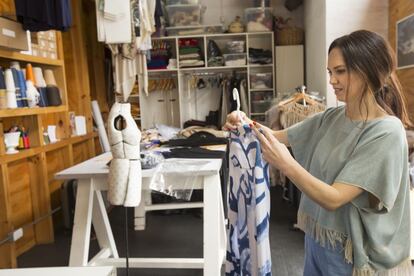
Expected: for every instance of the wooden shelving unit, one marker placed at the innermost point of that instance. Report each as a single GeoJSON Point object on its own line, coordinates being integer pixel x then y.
{"type": "Point", "coordinates": [28, 190]}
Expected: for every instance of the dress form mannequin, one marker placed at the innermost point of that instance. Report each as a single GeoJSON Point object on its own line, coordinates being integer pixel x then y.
{"type": "Point", "coordinates": [125, 169]}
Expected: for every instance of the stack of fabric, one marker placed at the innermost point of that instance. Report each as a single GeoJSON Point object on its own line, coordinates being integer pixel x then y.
{"type": "Point", "coordinates": [190, 53]}
{"type": "Point", "coordinates": [260, 56]}
{"type": "Point", "coordinates": [160, 54]}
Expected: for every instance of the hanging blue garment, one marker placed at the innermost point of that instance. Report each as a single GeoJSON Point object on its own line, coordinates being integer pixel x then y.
{"type": "Point", "coordinates": [248, 248]}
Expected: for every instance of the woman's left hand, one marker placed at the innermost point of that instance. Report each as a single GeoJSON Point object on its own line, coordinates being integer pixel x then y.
{"type": "Point", "coordinates": [274, 152]}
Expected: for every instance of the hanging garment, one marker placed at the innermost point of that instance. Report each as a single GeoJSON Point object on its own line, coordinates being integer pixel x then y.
{"type": "Point", "coordinates": [44, 15]}
{"type": "Point", "coordinates": [248, 248]}
{"type": "Point", "coordinates": [125, 169]}
{"type": "Point", "coordinates": [243, 96]}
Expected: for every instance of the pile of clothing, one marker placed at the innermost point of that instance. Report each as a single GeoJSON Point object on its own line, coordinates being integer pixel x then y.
{"type": "Point", "coordinates": [260, 56]}
{"type": "Point", "coordinates": [190, 53]}
{"type": "Point", "coordinates": [160, 54]}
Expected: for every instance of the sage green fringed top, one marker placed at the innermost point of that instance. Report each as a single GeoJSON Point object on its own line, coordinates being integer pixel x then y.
{"type": "Point", "coordinates": [372, 155]}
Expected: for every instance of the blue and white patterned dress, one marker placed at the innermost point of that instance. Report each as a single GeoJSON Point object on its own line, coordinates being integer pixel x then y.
{"type": "Point", "coordinates": [248, 248]}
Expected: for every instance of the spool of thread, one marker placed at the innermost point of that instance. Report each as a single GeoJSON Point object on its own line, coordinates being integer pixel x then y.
{"type": "Point", "coordinates": [17, 85]}
{"type": "Point", "coordinates": [38, 76]}
{"type": "Point", "coordinates": [52, 90]}
{"type": "Point", "coordinates": [32, 94]}
{"type": "Point", "coordinates": [29, 74]}
{"type": "Point", "coordinates": [23, 88]}
{"type": "Point", "coordinates": [3, 98]}
{"type": "Point", "coordinates": [41, 86]}
{"type": "Point", "coordinates": [50, 77]}
{"type": "Point", "coordinates": [10, 89]}
{"type": "Point", "coordinates": [15, 65]}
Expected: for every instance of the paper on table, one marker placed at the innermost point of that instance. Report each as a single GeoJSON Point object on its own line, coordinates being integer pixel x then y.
{"type": "Point", "coordinates": [51, 132]}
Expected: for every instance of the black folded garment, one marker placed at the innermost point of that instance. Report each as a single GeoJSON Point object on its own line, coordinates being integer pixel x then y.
{"type": "Point", "coordinates": [201, 138]}
{"type": "Point", "coordinates": [193, 153]}
{"type": "Point", "coordinates": [194, 123]}
{"type": "Point", "coordinates": [53, 95]}
{"type": "Point", "coordinates": [260, 56]}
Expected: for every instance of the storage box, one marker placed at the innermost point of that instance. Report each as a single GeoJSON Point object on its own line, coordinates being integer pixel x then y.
{"type": "Point", "coordinates": [261, 106]}
{"type": "Point", "coordinates": [261, 95]}
{"type": "Point", "coordinates": [261, 80]}
{"type": "Point", "coordinates": [194, 30]}
{"type": "Point", "coordinates": [35, 50]}
{"type": "Point", "coordinates": [182, 2]}
{"type": "Point", "coordinates": [258, 19]}
{"type": "Point", "coordinates": [184, 15]}
{"type": "Point", "coordinates": [234, 59]}
{"type": "Point", "coordinates": [52, 54]}
{"type": "Point", "coordinates": [48, 35]}
{"type": "Point", "coordinates": [12, 35]}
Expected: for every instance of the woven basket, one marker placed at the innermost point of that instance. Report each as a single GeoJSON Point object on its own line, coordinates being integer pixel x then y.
{"type": "Point", "coordinates": [289, 36]}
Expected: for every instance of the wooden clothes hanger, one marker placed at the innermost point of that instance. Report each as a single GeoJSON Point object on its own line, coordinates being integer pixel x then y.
{"type": "Point", "coordinates": [299, 97]}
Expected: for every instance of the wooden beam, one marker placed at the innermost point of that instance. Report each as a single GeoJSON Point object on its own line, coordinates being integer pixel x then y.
{"type": "Point", "coordinates": [39, 185]}
{"type": "Point", "coordinates": [7, 250]}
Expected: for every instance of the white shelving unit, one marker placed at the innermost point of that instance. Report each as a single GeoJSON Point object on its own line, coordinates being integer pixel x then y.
{"type": "Point", "coordinates": [159, 108]}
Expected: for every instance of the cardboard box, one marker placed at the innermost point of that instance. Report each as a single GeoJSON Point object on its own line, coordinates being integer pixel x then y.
{"type": "Point", "coordinates": [47, 35]}
{"type": "Point", "coordinates": [52, 55]}
{"type": "Point", "coordinates": [12, 35]}
{"type": "Point", "coordinates": [35, 50]}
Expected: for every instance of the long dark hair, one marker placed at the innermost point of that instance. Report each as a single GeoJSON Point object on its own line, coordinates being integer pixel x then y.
{"type": "Point", "coordinates": [369, 55]}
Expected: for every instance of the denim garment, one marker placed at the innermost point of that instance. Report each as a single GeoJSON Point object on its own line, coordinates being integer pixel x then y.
{"type": "Point", "coordinates": [324, 261]}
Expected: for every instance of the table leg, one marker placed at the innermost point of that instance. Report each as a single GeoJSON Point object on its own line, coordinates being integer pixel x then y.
{"type": "Point", "coordinates": [139, 211]}
{"type": "Point", "coordinates": [101, 225]}
{"type": "Point", "coordinates": [212, 226]}
{"type": "Point", "coordinates": [79, 249]}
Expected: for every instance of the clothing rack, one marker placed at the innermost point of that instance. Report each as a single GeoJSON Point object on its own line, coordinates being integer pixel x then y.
{"type": "Point", "coordinates": [214, 73]}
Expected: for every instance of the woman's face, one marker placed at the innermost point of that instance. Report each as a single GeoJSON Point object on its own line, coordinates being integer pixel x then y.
{"type": "Point", "coordinates": [343, 81]}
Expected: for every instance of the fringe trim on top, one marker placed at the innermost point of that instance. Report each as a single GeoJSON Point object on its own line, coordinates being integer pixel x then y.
{"type": "Point", "coordinates": [333, 238]}
{"type": "Point", "coordinates": [403, 269]}
{"type": "Point", "coordinates": [325, 236]}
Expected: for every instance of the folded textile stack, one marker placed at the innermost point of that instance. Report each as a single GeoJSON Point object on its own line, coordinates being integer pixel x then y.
{"type": "Point", "coordinates": [160, 54]}
{"type": "Point", "coordinates": [260, 56]}
{"type": "Point", "coordinates": [190, 53]}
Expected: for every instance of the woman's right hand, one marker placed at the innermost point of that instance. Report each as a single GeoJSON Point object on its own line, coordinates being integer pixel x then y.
{"type": "Point", "coordinates": [233, 120]}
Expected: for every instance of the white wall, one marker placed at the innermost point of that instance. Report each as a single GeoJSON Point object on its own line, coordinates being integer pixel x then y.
{"type": "Point", "coordinates": [315, 46]}
{"type": "Point", "coordinates": [340, 17]}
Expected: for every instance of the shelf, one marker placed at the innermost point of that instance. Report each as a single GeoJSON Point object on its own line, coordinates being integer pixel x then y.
{"type": "Point", "coordinates": [211, 35]}
{"type": "Point", "coordinates": [13, 55]}
{"type": "Point", "coordinates": [213, 68]}
{"type": "Point", "coordinates": [26, 153]}
{"type": "Point", "coordinates": [161, 70]}
{"type": "Point", "coordinates": [225, 34]}
{"type": "Point", "coordinates": [78, 139]}
{"type": "Point", "coordinates": [260, 33]}
{"type": "Point", "coordinates": [260, 65]}
{"type": "Point", "coordinates": [23, 153]}
{"type": "Point", "coordinates": [27, 111]}
{"type": "Point", "coordinates": [260, 89]}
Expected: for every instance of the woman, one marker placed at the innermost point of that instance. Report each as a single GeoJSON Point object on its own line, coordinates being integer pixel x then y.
{"type": "Point", "coordinates": [351, 163]}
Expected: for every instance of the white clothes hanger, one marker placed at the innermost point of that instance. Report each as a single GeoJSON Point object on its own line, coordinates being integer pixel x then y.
{"type": "Point", "coordinates": [236, 97]}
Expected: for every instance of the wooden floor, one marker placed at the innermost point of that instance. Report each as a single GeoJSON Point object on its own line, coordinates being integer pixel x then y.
{"type": "Point", "coordinates": [179, 235]}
